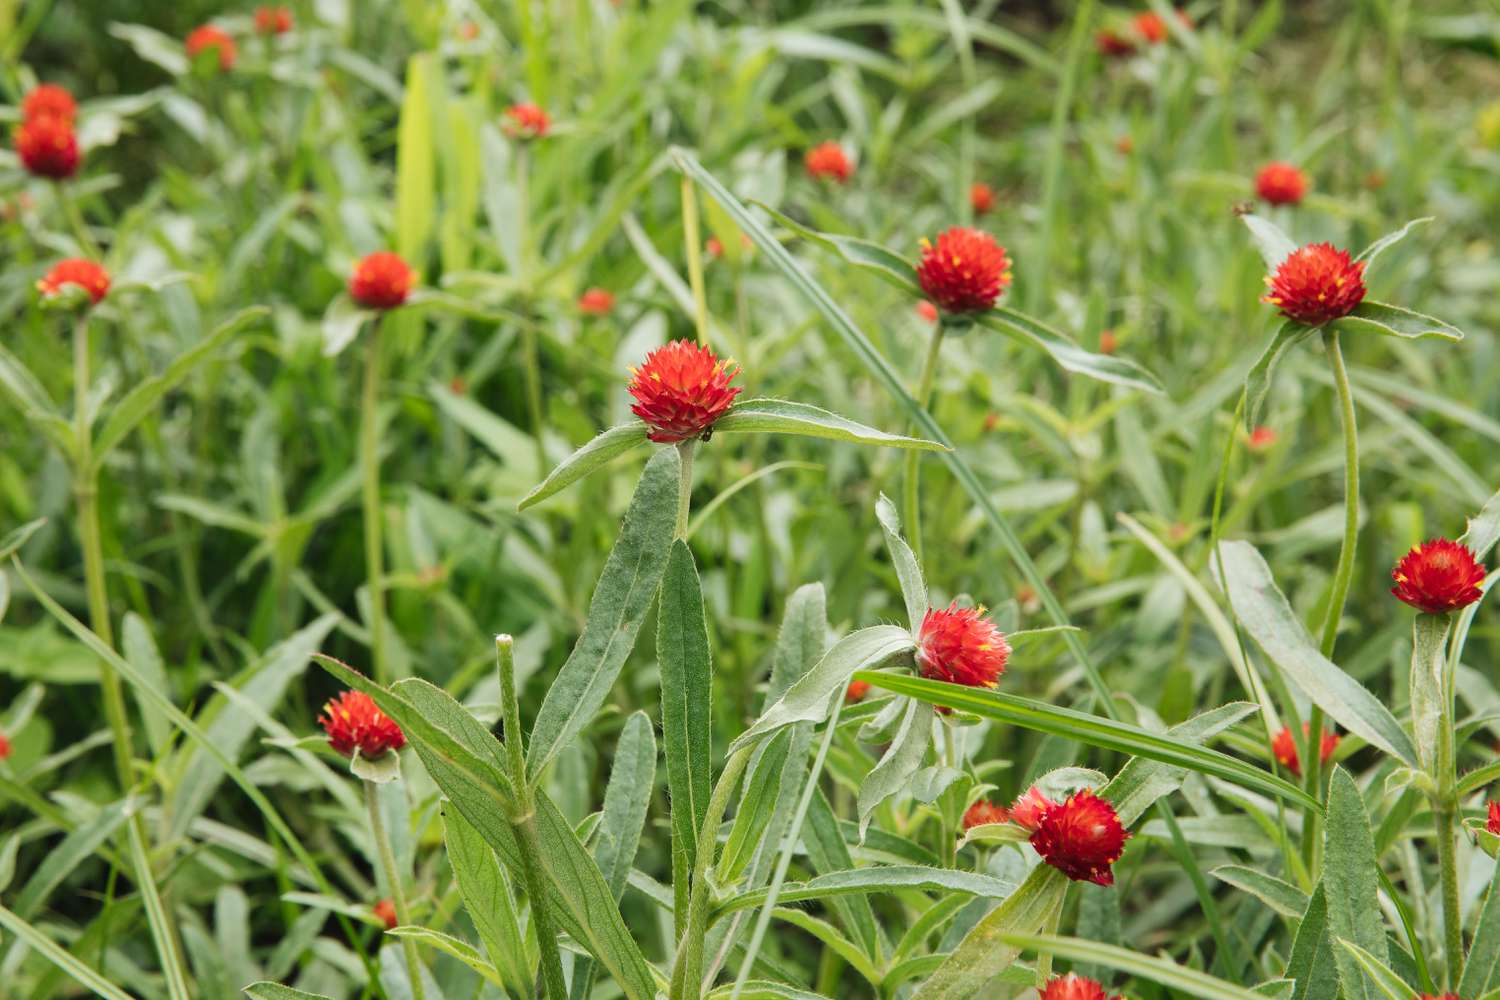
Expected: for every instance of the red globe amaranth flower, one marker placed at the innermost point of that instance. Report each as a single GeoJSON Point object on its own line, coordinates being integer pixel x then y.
{"type": "Point", "coordinates": [981, 197]}
{"type": "Point", "coordinates": [1109, 341]}
{"type": "Point", "coordinates": [1438, 996]}
{"type": "Point", "coordinates": [1493, 825]}
{"type": "Point", "coordinates": [1438, 576]}
{"type": "Point", "coordinates": [526, 121]}
{"type": "Point", "coordinates": [984, 811]}
{"type": "Point", "coordinates": [1081, 838]}
{"type": "Point", "coordinates": [385, 912]}
{"type": "Point", "coordinates": [381, 281]}
{"type": "Point", "coordinates": [596, 302]}
{"type": "Point", "coordinates": [927, 311]}
{"type": "Point", "coordinates": [1028, 810]}
{"type": "Point", "coordinates": [1261, 438]}
{"type": "Point", "coordinates": [1112, 43]}
{"type": "Point", "coordinates": [48, 100]}
{"type": "Point", "coordinates": [1153, 28]}
{"type": "Point", "coordinates": [353, 722]}
{"type": "Point", "coordinates": [681, 390]}
{"type": "Point", "coordinates": [4, 746]}
{"type": "Point", "coordinates": [1285, 748]}
{"type": "Point", "coordinates": [210, 37]}
{"type": "Point", "coordinates": [856, 691]}
{"type": "Point", "coordinates": [1074, 987]}
{"type": "Point", "coordinates": [964, 271]}
{"type": "Point", "coordinates": [1317, 284]}
{"type": "Point", "coordinates": [273, 20]}
{"type": "Point", "coordinates": [48, 147]}
{"type": "Point", "coordinates": [1280, 183]}
{"type": "Point", "coordinates": [84, 273]}
{"type": "Point", "coordinates": [828, 161]}
{"type": "Point", "coordinates": [961, 646]}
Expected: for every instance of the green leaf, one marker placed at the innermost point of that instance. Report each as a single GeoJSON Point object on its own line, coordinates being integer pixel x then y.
{"type": "Point", "coordinates": [762, 989]}
{"type": "Point", "coordinates": [1394, 321]}
{"type": "Point", "coordinates": [621, 599]}
{"type": "Point", "coordinates": [489, 899]}
{"type": "Point", "coordinates": [61, 957]}
{"type": "Point", "coordinates": [416, 180]}
{"type": "Point", "coordinates": [1480, 535]}
{"type": "Point", "coordinates": [139, 647]}
{"type": "Point", "coordinates": [63, 859]}
{"type": "Point", "coordinates": [1351, 875]}
{"type": "Point", "coordinates": [801, 641]}
{"type": "Point", "coordinates": [461, 950]}
{"type": "Point", "coordinates": [686, 704]}
{"type": "Point", "coordinates": [1092, 730]}
{"type": "Point", "coordinates": [782, 416]}
{"type": "Point", "coordinates": [1482, 973]}
{"type": "Point", "coordinates": [341, 324]}
{"type": "Point", "coordinates": [757, 803]}
{"type": "Point", "coordinates": [1142, 781]}
{"type": "Point", "coordinates": [1273, 245]}
{"type": "Point", "coordinates": [1387, 241]}
{"type": "Point", "coordinates": [1380, 974]}
{"type": "Point", "coordinates": [598, 453]}
{"type": "Point", "coordinates": [888, 264]}
{"type": "Point", "coordinates": [1311, 963]}
{"type": "Point", "coordinates": [632, 776]}
{"type": "Point", "coordinates": [17, 537]}
{"type": "Point", "coordinates": [879, 878]}
{"type": "Point", "coordinates": [1258, 380]}
{"type": "Point", "coordinates": [1428, 658]}
{"type": "Point", "coordinates": [908, 573]}
{"type": "Point", "coordinates": [1266, 616]}
{"type": "Point", "coordinates": [828, 853]}
{"type": "Point", "coordinates": [1177, 978]}
{"type": "Point", "coordinates": [900, 761]}
{"type": "Point", "coordinates": [1283, 897]}
{"type": "Point", "coordinates": [508, 443]}
{"type": "Point", "coordinates": [1068, 355]}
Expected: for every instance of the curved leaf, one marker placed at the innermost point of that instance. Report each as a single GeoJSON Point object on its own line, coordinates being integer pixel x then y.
{"type": "Point", "coordinates": [1258, 380]}
{"type": "Point", "coordinates": [1067, 354]}
{"type": "Point", "coordinates": [888, 264]}
{"type": "Point", "coordinates": [879, 878]}
{"type": "Point", "coordinates": [1273, 245]}
{"type": "Point", "coordinates": [1394, 321]}
{"type": "Point", "coordinates": [1177, 978]}
{"type": "Point", "coordinates": [603, 449]}
{"type": "Point", "coordinates": [782, 416]}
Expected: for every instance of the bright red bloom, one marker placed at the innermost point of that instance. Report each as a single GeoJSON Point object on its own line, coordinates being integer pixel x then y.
{"type": "Point", "coordinates": [681, 390]}
{"type": "Point", "coordinates": [1029, 809]}
{"type": "Point", "coordinates": [48, 100]}
{"type": "Point", "coordinates": [961, 646]}
{"type": "Point", "coordinates": [84, 273]}
{"type": "Point", "coordinates": [596, 302]}
{"type": "Point", "coordinates": [856, 691]}
{"type": "Point", "coordinates": [1285, 748]}
{"type": "Point", "coordinates": [354, 722]}
{"type": "Point", "coordinates": [4, 746]}
{"type": "Point", "coordinates": [273, 20]}
{"type": "Point", "coordinates": [984, 811]}
{"type": "Point", "coordinates": [1493, 826]}
{"type": "Point", "coordinates": [1438, 576]}
{"type": "Point", "coordinates": [385, 911]}
{"type": "Point", "coordinates": [927, 311]}
{"type": "Point", "coordinates": [48, 147]}
{"type": "Point", "coordinates": [965, 271]}
{"type": "Point", "coordinates": [1262, 438]}
{"type": "Point", "coordinates": [1108, 341]}
{"type": "Point", "coordinates": [1317, 284]}
{"type": "Point", "coordinates": [1081, 838]}
{"type": "Point", "coordinates": [210, 37]}
{"type": "Point", "coordinates": [827, 160]}
{"type": "Point", "coordinates": [1074, 987]}
{"type": "Point", "coordinates": [1438, 996]}
{"type": "Point", "coordinates": [526, 121]}
{"type": "Point", "coordinates": [1150, 26]}
{"type": "Point", "coordinates": [981, 197]}
{"type": "Point", "coordinates": [1281, 183]}
{"type": "Point", "coordinates": [1112, 43]}
{"type": "Point", "coordinates": [381, 281]}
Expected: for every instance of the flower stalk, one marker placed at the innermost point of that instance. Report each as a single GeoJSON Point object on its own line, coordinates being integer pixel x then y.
{"type": "Point", "coordinates": [369, 461]}
{"type": "Point", "coordinates": [392, 873]}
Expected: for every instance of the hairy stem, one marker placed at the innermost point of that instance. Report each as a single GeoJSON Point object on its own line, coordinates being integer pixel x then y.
{"type": "Point", "coordinates": [393, 882]}
{"type": "Point", "coordinates": [369, 462]}
{"type": "Point", "coordinates": [685, 489]}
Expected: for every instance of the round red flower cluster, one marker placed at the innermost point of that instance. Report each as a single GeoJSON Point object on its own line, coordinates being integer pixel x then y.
{"type": "Point", "coordinates": [354, 722]}
{"type": "Point", "coordinates": [381, 281]}
{"type": "Point", "coordinates": [1082, 837]}
{"type": "Point", "coordinates": [211, 38]}
{"type": "Point", "coordinates": [273, 20]}
{"type": "Point", "coordinates": [961, 646]}
{"type": "Point", "coordinates": [981, 197]}
{"type": "Point", "coordinates": [856, 691]}
{"type": "Point", "coordinates": [1074, 987]}
{"type": "Point", "coordinates": [1438, 576]}
{"type": "Point", "coordinates": [964, 271]}
{"type": "Point", "coordinates": [84, 274]}
{"type": "Point", "coordinates": [4, 746]}
{"type": "Point", "coordinates": [46, 142]}
{"type": "Point", "coordinates": [1493, 824]}
{"type": "Point", "coordinates": [1146, 27]}
{"type": "Point", "coordinates": [1284, 746]}
{"type": "Point", "coordinates": [526, 121]}
{"type": "Point", "coordinates": [48, 100]}
{"type": "Point", "coordinates": [828, 161]}
{"type": "Point", "coordinates": [1281, 183]}
{"type": "Point", "coordinates": [1317, 284]}
{"type": "Point", "coordinates": [681, 390]}
{"type": "Point", "coordinates": [385, 912]}
{"type": "Point", "coordinates": [983, 812]}
{"type": "Point", "coordinates": [596, 302]}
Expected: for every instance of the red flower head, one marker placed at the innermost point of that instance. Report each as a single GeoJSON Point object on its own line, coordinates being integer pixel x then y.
{"type": "Point", "coordinates": [1317, 284]}
{"type": "Point", "coordinates": [1150, 26]}
{"type": "Point", "coordinates": [1285, 748]}
{"type": "Point", "coordinates": [1280, 183]}
{"type": "Point", "coordinates": [48, 147]}
{"type": "Point", "coordinates": [965, 271]}
{"type": "Point", "coordinates": [1439, 996]}
{"type": "Point", "coordinates": [381, 281]}
{"type": "Point", "coordinates": [1438, 576]}
{"type": "Point", "coordinates": [385, 911]}
{"type": "Point", "coordinates": [1112, 43]}
{"type": "Point", "coordinates": [273, 20]}
{"type": "Point", "coordinates": [48, 100]}
{"type": "Point", "coordinates": [961, 646]}
{"type": "Point", "coordinates": [927, 311]}
{"type": "Point", "coordinates": [1493, 826]}
{"type": "Point", "coordinates": [4, 746]}
{"type": "Point", "coordinates": [1109, 341]}
{"type": "Point", "coordinates": [1262, 438]}
{"type": "Point", "coordinates": [526, 121]}
{"type": "Point", "coordinates": [210, 37]}
{"type": "Point", "coordinates": [981, 197]}
{"type": "Point", "coordinates": [827, 160]}
{"type": "Point", "coordinates": [596, 302]}
{"type": "Point", "coordinates": [984, 811]}
{"type": "Point", "coordinates": [856, 691]}
{"type": "Point", "coordinates": [1081, 838]}
{"type": "Point", "coordinates": [353, 722]}
{"type": "Point", "coordinates": [1074, 987]}
{"type": "Point", "coordinates": [680, 391]}
{"type": "Point", "coordinates": [1029, 809]}
{"type": "Point", "coordinates": [714, 247]}
{"type": "Point", "coordinates": [1125, 144]}
{"type": "Point", "coordinates": [84, 273]}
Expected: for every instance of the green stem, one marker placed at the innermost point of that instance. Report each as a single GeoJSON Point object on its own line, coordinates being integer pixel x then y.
{"type": "Point", "coordinates": [369, 461]}
{"type": "Point", "coordinates": [911, 496]}
{"type": "Point", "coordinates": [694, 246]}
{"type": "Point", "coordinates": [685, 489]}
{"type": "Point", "coordinates": [510, 714]}
{"type": "Point", "coordinates": [1453, 940]}
{"type": "Point", "coordinates": [393, 882]}
{"type": "Point", "coordinates": [76, 221]}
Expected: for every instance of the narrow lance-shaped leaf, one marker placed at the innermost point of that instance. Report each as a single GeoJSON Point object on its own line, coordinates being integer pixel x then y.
{"type": "Point", "coordinates": [908, 572]}
{"type": "Point", "coordinates": [1258, 380]}
{"type": "Point", "coordinates": [1351, 875]}
{"type": "Point", "coordinates": [602, 450]}
{"type": "Point", "coordinates": [1394, 321]}
{"type": "Point", "coordinates": [1068, 355]}
{"type": "Point", "coordinates": [782, 416]}
{"type": "Point", "coordinates": [1369, 253]}
{"type": "Point", "coordinates": [889, 265]}
{"type": "Point", "coordinates": [1482, 973]}
{"type": "Point", "coordinates": [1177, 978]}
{"type": "Point", "coordinates": [900, 761]}
{"type": "Point", "coordinates": [1281, 896]}
{"type": "Point", "coordinates": [1273, 245]}
{"type": "Point", "coordinates": [1311, 964]}
{"type": "Point", "coordinates": [1480, 536]}
{"type": "Point", "coordinates": [488, 898]}
{"type": "Point", "coordinates": [873, 879]}
{"type": "Point", "coordinates": [1379, 974]}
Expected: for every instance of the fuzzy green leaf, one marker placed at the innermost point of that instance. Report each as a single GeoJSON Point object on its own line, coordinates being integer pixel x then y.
{"type": "Point", "coordinates": [782, 416]}
{"type": "Point", "coordinates": [602, 450]}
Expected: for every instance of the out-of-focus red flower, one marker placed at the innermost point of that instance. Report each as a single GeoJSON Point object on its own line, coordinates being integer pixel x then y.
{"type": "Point", "coordinates": [965, 270]}
{"type": "Point", "coordinates": [927, 311]}
{"type": "Point", "coordinates": [1438, 576]}
{"type": "Point", "coordinates": [1125, 144]}
{"type": "Point", "coordinates": [596, 302]}
{"type": "Point", "coordinates": [74, 271]}
{"type": "Point", "coordinates": [273, 20]}
{"type": "Point", "coordinates": [981, 197]}
{"type": "Point", "coordinates": [467, 31]}
{"type": "Point", "coordinates": [1028, 810]}
{"type": "Point", "coordinates": [385, 912]}
{"type": "Point", "coordinates": [209, 37]}
{"type": "Point", "coordinates": [1284, 746]}
{"type": "Point", "coordinates": [1317, 284]}
{"type": "Point", "coordinates": [1374, 180]}
{"type": "Point", "coordinates": [991, 420]}
{"type": "Point", "coordinates": [381, 281]}
{"type": "Point", "coordinates": [48, 147]}
{"type": "Point", "coordinates": [828, 161]}
{"type": "Point", "coordinates": [354, 722]}
{"type": "Point", "coordinates": [856, 691]}
{"type": "Point", "coordinates": [1493, 826]}
{"type": "Point", "coordinates": [961, 646]}
{"type": "Point", "coordinates": [681, 390]}
{"type": "Point", "coordinates": [48, 100]}
{"type": "Point", "coordinates": [984, 811]}
{"type": "Point", "coordinates": [1281, 183]}
{"type": "Point", "coordinates": [1074, 987]}
{"type": "Point", "coordinates": [4, 746]}
{"type": "Point", "coordinates": [1150, 26]}
{"type": "Point", "coordinates": [1082, 838]}
{"type": "Point", "coordinates": [1109, 341]}
{"type": "Point", "coordinates": [714, 247]}
{"type": "Point", "coordinates": [526, 121]}
{"type": "Point", "coordinates": [1261, 438]}
{"type": "Point", "coordinates": [1112, 43]}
